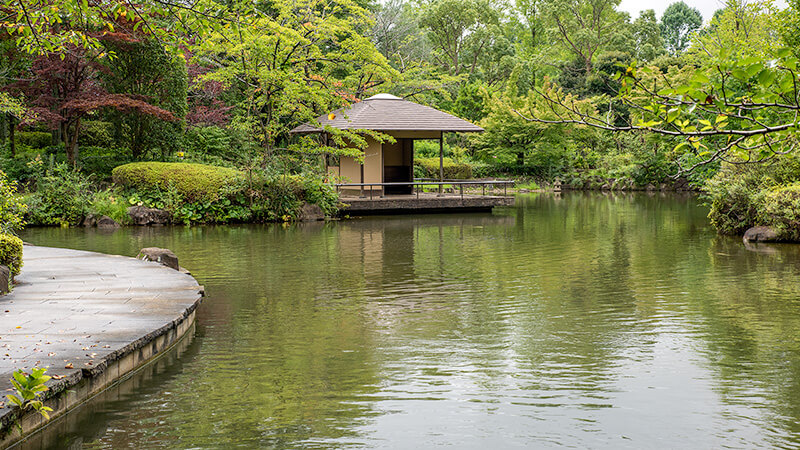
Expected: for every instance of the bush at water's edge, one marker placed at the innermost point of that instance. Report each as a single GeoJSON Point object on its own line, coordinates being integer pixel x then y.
{"type": "Point", "coordinates": [191, 193]}
{"type": "Point", "coordinates": [741, 196]}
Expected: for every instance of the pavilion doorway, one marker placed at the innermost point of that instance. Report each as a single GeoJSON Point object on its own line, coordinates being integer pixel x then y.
{"type": "Point", "coordinates": [398, 166]}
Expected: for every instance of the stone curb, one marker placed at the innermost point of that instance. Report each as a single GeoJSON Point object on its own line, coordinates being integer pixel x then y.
{"type": "Point", "coordinates": [176, 306]}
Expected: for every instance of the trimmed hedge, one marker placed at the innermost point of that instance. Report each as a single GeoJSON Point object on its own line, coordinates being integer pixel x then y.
{"type": "Point", "coordinates": [452, 169]}
{"type": "Point", "coordinates": [194, 182]}
{"type": "Point", "coordinates": [11, 253]}
{"type": "Point", "coordinates": [33, 139]}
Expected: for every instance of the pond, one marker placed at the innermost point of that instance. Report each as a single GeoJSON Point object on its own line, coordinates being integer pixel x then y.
{"type": "Point", "coordinates": [581, 320]}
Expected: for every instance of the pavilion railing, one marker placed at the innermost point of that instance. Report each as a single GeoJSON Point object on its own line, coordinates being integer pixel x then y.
{"type": "Point", "coordinates": [446, 187]}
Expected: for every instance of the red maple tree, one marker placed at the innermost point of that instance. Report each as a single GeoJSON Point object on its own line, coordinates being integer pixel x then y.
{"type": "Point", "coordinates": [61, 89]}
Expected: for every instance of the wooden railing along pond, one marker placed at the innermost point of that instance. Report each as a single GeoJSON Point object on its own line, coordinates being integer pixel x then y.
{"type": "Point", "coordinates": [472, 187]}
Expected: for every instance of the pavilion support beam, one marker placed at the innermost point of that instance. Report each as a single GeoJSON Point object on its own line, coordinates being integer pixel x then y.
{"type": "Point", "coordinates": [441, 160]}
{"type": "Point", "coordinates": [363, 195]}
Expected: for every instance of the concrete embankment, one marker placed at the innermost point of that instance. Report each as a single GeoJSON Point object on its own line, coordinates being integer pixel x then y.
{"type": "Point", "coordinates": [90, 319]}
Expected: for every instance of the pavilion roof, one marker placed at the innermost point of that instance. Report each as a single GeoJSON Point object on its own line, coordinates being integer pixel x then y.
{"type": "Point", "coordinates": [385, 112]}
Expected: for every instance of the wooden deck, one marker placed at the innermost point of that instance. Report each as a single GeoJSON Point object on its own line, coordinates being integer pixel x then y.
{"type": "Point", "coordinates": [427, 202]}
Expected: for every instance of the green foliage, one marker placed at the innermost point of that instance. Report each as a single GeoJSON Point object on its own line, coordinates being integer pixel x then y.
{"type": "Point", "coordinates": [145, 70]}
{"type": "Point", "coordinates": [317, 192]}
{"type": "Point", "coordinates": [677, 23]}
{"type": "Point", "coordinates": [649, 43]}
{"type": "Point", "coordinates": [257, 196]}
{"type": "Point", "coordinates": [194, 182]}
{"type": "Point", "coordinates": [34, 139]}
{"type": "Point", "coordinates": [781, 211]}
{"type": "Point", "coordinates": [458, 29]}
{"type": "Point", "coordinates": [28, 388]}
{"type": "Point", "coordinates": [584, 29]}
{"type": "Point", "coordinates": [12, 208]}
{"type": "Point", "coordinates": [101, 161]}
{"type": "Point", "coordinates": [210, 141]}
{"type": "Point", "coordinates": [742, 196]}
{"type": "Point", "coordinates": [300, 59]}
{"type": "Point", "coordinates": [11, 253]}
{"type": "Point", "coordinates": [96, 133]}
{"type": "Point", "coordinates": [10, 105]}
{"type": "Point", "coordinates": [275, 198]}
{"type": "Point", "coordinates": [452, 170]}
{"type": "Point", "coordinates": [112, 204]}
{"type": "Point", "coordinates": [62, 196]}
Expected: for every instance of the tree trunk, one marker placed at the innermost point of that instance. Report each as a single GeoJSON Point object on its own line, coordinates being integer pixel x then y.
{"type": "Point", "coordinates": [72, 142]}
{"type": "Point", "coordinates": [56, 136]}
{"type": "Point", "coordinates": [521, 158]}
{"type": "Point", "coordinates": [3, 129]}
{"type": "Point", "coordinates": [12, 125]}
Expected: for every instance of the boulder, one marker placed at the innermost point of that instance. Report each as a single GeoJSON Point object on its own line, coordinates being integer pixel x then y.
{"type": "Point", "coordinates": [148, 216]}
{"type": "Point", "coordinates": [760, 234]}
{"type": "Point", "coordinates": [106, 222]}
{"type": "Point", "coordinates": [89, 221]}
{"type": "Point", "coordinates": [309, 212]}
{"type": "Point", "coordinates": [163, 256]}
{"type": "Point", "coordinates": [5, 280]}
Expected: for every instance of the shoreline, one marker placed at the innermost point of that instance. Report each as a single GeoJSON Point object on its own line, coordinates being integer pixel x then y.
{"type": "Point", "coordinates": [92, 319]}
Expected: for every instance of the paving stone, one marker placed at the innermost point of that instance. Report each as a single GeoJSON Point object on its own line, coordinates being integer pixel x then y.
{"type": "Point", "coordinates": [71, 306]}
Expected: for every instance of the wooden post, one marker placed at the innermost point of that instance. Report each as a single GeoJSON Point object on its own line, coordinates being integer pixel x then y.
{"type": "Point", "coordinates": [441, 161]}
{"type": "Point", "coordinates": [362, 178]}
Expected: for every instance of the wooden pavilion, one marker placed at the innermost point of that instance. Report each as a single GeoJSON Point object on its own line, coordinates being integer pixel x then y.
{"type": "Point", "coordinates": [404, 120]}
{"type": "Point", "coordinates": [385, 182]}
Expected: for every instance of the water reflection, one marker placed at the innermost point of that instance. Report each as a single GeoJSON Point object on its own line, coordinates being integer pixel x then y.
{"type": "Point", "coordinates": [588, 320]}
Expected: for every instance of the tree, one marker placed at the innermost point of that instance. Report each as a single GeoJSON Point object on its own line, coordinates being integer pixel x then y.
{"type": "Point", "coordinates": [509, 138]}
{"type": "Point", "coordinates": [647, 36]}
{"type": "Point", "coordinates": [677, 24]}
{"type": "Point", "coordinates": [459, 32]}
{"type": "Point", "coordinates": [586, 27]}
{"type": "Point", "coordinates": [397, 35]}
{"type": "Point", "coordinates": [47, 27]}
{"type": "Point", "coordinates": [61, 90]}
{"type": "Point", "coordinates": [734, 107]}
{"type": "Point", "coordinates": [291, 63]}
{"type": "Point", "coordinates": [142, 69]}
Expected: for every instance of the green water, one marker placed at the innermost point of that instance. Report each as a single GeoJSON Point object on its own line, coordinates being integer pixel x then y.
{"type": "Point", "coordinates": [582, 320]}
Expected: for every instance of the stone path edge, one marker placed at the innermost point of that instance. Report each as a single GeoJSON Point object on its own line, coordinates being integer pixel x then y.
{"type": "Point", "coordinates": [81, 384]}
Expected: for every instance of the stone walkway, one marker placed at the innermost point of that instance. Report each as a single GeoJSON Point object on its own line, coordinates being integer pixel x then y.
{"type": "Point", "coordinates": [76, 312]}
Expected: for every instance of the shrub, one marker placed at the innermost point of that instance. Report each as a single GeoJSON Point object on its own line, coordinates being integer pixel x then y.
{"type": "Point", "coordinates": [780, 209]}
{"type": "Point", "coordinates": [62, 197]}
{"type": "Point", "coordinates": [34, 139]}
{"type": "Point", "coordinates": [18, 168]}
{"type": "Point", "coordinates": [730, 197]}
{"type": "Point", "coordinates": [101, 161]}
{"type": "Point", "coordinates": [96, 133]}
{"type": "Point", "coordinates": [266, 197]}
{"type": "Point", "coordinates": [322, 194]}
{"type": "Point", "coordinates": [11, 253]}
{"type": "Point", "coordinates": [742, 196]}
{"type": "Point", "coordinates": [194, 182]}
{"type": "Point", "coordinates": [209, 141]}
{"type": "Point", "coordinates": [452, 170]}
{"type": "Point", "coordinates": [112, 204]}
{"type": "Point", "coordinates": [11, 207]}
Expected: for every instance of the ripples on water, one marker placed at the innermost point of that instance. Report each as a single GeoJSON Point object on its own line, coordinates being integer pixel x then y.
{"type": "Point", "coordinates": [575, 320]}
